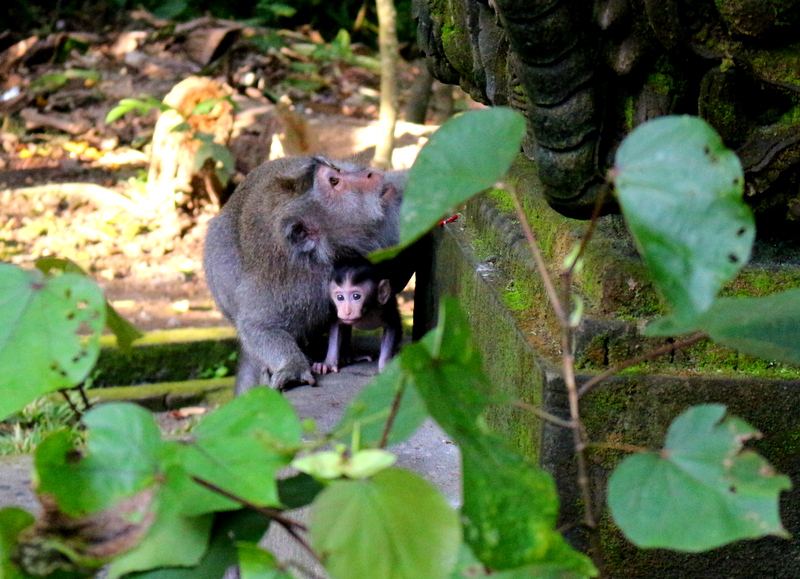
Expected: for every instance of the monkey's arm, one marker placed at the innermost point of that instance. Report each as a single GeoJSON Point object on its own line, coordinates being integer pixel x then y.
{"type": "Point", "coordinates": [272, 350]}
{"type": "Point", "coordinates": [339, 336]}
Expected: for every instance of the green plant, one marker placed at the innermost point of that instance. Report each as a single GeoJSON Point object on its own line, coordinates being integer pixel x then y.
{"type": "Point", "coordinates": [24, 430]}
{"type": "Point", "coordinates": [191, 508]}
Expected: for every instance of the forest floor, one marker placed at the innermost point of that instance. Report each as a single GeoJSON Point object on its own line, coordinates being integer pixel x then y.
{"type": "Point", "coordinates": [75, 186]}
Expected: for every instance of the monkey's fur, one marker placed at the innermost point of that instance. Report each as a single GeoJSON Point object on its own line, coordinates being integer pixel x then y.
{"type": "Point", "coordinates": [269, 253]}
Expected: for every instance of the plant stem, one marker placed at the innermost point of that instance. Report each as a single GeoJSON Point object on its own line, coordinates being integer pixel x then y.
{"type": "Point", "coordinates": [276, 515]}
{"type": "Point", "coordinates": [537, 256]}
{"type": "Point", "coordinates": [568, 360]}
{"type": "Point", "coordinates": [591, 383]}
{"type": "Point", "coordinates": [65, 394]}
{"type": "Point", "coordinates": [542, 414]}
{"type": "Point", "coordinates": [392, 414]}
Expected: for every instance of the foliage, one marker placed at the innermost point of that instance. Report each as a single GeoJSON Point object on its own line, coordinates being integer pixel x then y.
{"type": "Point", "coordinates": [24, 430]}
{"type": "Point", "coordinates": [700, 474]}
{"type": "Point", "coordinates": [192, 507]}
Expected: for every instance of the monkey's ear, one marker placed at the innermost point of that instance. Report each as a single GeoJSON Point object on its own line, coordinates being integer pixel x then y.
{"type": "Point", "coordinates": [384, 291]}
{"type": "Point", "coordinates": [300, 234]}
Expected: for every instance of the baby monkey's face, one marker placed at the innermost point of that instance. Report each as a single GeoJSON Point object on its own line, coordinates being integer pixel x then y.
{"type": "Point", "coordinates": [354, 301]}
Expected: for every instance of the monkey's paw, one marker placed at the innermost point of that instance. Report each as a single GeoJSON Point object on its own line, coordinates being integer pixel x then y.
{"type": "Point", "coordinates": [292, 375]}
{"type": "Point", "coordinates": [323, 368]}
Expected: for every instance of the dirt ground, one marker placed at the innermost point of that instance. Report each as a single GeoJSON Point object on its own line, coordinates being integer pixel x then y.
{"type": "Point", "coordinates": [74, 186]}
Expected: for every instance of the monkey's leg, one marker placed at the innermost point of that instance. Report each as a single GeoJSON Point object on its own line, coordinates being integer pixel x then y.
{"type": "Point", "coordinates": [273, 349]}
{"type": "Point", "coordinates": [390, 344]}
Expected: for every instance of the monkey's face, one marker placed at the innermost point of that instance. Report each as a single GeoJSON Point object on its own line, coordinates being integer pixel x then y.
{"type": "Point", "coordinates": [353, 301]}
{"type": "Point", "coordinates": [356, 196]}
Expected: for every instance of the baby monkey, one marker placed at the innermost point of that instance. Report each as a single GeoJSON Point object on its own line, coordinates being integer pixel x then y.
{"type": "Point", "coordinates": [364, 299]}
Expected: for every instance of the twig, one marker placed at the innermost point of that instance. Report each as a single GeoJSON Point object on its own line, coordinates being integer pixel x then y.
{"type": "Point", "coordinates": [392, 415]}
{"type": "Point", "coordinates": [65, 394]}
{"type": "Point", "coordinates": [598, 207]}
{"type": "Point", "coordinates": [537, 256]}
{"type": "Point", "coordinates": [591, 383]}
{"type": "Point", "coordinates": [86, 404]}
{"type": "Point", "coordinates": [568, 359]}
{"type": "Point", "coordinates": [542, 414]}
{"type": "Point", "coordinates": [276, 515]}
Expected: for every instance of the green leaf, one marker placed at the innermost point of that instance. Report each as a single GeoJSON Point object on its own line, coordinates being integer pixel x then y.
{"type": "Point", "coordinates": [12, 522]}
{"type": "Point", "coordinates": [373, 405]}
{"type": "Point", "coordinates": [223, 160]}
{"type": "Point", "coordinates": [447, 173]}
{"type": "Point", "coordinates": [701, 491]}
{"type": "Point", "coordinates": [767, 326]}
{"type": "Point", "coordinates": [510, 505]}
{"type": "Point", "coordinates": [49, 333]}
{"type": "Point", "coordinates": [680, 191]}
{"type": "Point", "coordinates": [330, 464]}
{"type": "Point", "coordinates": [123, 443]}
{"type": "Point", "coordinates": [228, 530]}
{"type": "Point", "coordinates": [142, 107]}
{"type": "Point", "coordinates": [241, 446]}
{"type": "Point", "coordinates": [393, 526]}
{"type": "Point", "coordinates": [121, 328]}
{"type": "Point", "coordinates": [256, 563]}
{"type": "Point", "coordinates": [298, 491]}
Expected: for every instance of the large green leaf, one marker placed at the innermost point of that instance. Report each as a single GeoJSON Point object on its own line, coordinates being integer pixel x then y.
{"type": "Point", "coordinates": [393, 526]}
{"type": "Point", "coordinates": [256, 563]}
{"type": "Point", "coordinates": [123, 453]}
{"type": "Point", "coordinates": [229, 529]}
{"type": "Point", "coordinates": [701, 491]}
{"type": "Point", "coordinates": [42, 342]}
{"type": "Point", "coordinates": [768, 326]}
{"type": "Point", "coordinates": [468, 154]}
{"type": "Point", "coordinates": [119, 326]}
{"type": "Point", "coordinates": [12, 522]}
{"type": "Point", "coordinates": [680, 191]}
{"type": "Point", "coordinates": [241, 446]}
{"type": "Point", "coordinates": [510, 505]}
{"type": "Point", "coordinates": [173, 540]}
{"type": "Point", "coordinates": [372, 407]}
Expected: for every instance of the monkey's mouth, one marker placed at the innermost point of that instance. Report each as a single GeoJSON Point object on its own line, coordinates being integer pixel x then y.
{"type": "Point", "coordinates": [348, 321]}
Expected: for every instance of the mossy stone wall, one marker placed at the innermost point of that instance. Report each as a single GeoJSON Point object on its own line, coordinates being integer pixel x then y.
{"type": "Point", "coordinates": [483, 260]}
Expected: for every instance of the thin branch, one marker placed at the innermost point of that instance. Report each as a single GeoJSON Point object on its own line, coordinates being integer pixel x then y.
{"type": "Point", "coordinates": [598, 207]}
{"type": "Point", "coordinates": [537, 256]}
{"type": "Point", "coordinates": [643, 358]}
{"type": "Point", "coordinates": [392, 415]}
{"type": "Point", "coordinates": [86, 404]}
{"type": "Point", "coordinates": [542, 414]}
{"type": "Point", "coordinates": [289, 525]}
{"type": "Point", "coordinates": [616, 446]}
{"type": "Point", "coordinates": [269, 512]}
{"type": "Point", "coordinates": [568, 359]}
{"type": "Point", "coordinates": [65, 394]}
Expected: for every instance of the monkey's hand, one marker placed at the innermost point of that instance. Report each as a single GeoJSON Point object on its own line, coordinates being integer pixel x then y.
{"type": "Point", "coordinates": [292, 374]}
{"type": "Point", "coordinates": [323, 368]}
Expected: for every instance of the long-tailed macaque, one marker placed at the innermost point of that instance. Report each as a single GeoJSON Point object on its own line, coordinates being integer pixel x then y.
{"type": "Point", "coordinates": [363, 298]}
{"type": "Point", "coordinates": [269, 253]}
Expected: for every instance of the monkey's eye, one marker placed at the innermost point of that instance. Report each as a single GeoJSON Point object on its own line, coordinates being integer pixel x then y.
{"type": "Point", "coordinates": [334, 181]}
{"type": "Point", "coordinates": [356, 297]}
{"type": "Point", "coordinates": [339, 297]}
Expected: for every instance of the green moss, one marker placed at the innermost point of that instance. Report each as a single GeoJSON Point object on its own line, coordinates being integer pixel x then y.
{"type": "Point", "coordinates": [502, 199]}
{"type": "Point", "coordinates": [661, 83]}
{"type": "Point", "coordinates": [518, 297]}
{"type": "Point", "coordinates": [777, 65]}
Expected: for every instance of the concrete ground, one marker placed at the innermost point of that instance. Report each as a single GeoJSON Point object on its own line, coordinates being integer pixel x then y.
{"type": "Point", "coordinates": [428, 453]}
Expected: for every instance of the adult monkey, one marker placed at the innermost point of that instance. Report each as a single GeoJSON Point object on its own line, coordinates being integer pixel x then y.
{"type": "Point", "coordinates": [269, 253]}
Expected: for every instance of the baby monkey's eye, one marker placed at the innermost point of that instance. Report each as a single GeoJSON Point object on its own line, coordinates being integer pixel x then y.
{"type": "Point", "coordinates": [334, 181]}
{"type": "Point", "coordinates": [340, 297]}
{"type": "Point", "coordinates": [356, 297]}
